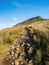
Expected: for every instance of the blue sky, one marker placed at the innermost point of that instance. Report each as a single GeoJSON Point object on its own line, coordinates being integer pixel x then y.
{"type": "Point", "coordinates": [15, 11]}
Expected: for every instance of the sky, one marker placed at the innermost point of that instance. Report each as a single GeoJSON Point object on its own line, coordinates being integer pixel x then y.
{"type": "Point", "coordinates": [15, 11]}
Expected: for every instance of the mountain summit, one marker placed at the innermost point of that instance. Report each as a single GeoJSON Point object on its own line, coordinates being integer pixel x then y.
{"type": "Point", "coordinates": [37, 17]}
{"type": "Point", "coordinates": [31, 20]}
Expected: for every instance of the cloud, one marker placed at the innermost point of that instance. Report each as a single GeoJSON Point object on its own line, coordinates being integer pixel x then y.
{"type": "Point", "coordinates": [6, 25]}
{"type": "Point", "coordinates": [17, 4]}
{"type": "Point", "coordinates": [2, 25]}
{"type": "Point", "coordinates": [7, 22]}
{"type": "Point", "coordinates": [20, 5]}
{"type": "Point", "coordinates": [14, 19]}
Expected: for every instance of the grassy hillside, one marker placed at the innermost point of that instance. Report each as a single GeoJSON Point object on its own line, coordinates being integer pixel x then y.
{"type": "Point", "coordinates": [39, 28]}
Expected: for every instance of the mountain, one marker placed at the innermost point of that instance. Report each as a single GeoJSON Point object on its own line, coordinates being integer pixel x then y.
{"type": "Point", "coordinates": [31, 20]}
{"type": "Point", "coordinates": [26, 43]}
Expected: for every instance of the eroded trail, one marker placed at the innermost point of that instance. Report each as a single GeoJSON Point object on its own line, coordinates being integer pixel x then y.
{"type": "Point", "coordinates": [22, 52]}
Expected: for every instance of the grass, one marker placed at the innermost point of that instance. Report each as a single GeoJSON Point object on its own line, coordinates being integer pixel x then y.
{"type": "Point", "coordinates": [3, 48]}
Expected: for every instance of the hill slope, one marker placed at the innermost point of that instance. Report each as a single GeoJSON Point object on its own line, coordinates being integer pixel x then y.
{"type": "Point", "coordinates": [38, 33]}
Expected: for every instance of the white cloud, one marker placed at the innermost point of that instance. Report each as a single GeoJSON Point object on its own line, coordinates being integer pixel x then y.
{"type": "Point", "coordinates": [5, 25]}
{"type": "Point", "coordinates": [14, 19]}
{"type": "Point", "coordinates": [2, 25]}
{"type": "Point", "coordinates": [17, 4]}
{"type": "Point", "coordinates": [20, 5]}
